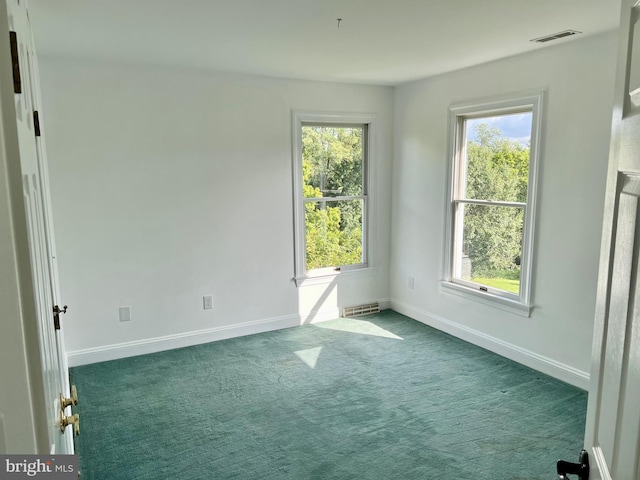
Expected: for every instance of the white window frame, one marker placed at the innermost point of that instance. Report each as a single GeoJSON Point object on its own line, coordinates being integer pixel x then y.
{"type": "Point", "coordinates": [304, 277]}
{"type": "Point", "coordinates": [519, 304]}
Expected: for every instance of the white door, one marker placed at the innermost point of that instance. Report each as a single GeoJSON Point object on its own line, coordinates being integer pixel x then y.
{"type": "Point", "coordinates": [612, 437]}
{"type": "Point", "coordinates": [39, 222]}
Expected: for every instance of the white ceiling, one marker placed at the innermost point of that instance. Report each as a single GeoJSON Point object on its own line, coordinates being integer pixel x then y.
{"type": "Point", "coordinates": [384, 42]}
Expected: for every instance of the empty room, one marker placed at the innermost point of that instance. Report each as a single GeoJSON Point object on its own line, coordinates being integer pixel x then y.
{"type": "Point", "coordinates": [321, 239]}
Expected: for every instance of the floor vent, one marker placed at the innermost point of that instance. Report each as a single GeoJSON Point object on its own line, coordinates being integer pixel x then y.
{"type": "Point", "coordinates": [361, 310]}
{"type": "Point", "coordinates": [555, 36]}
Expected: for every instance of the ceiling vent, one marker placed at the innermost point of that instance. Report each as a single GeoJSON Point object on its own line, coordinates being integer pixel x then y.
{"type": "Point", "coordinates": [555, 36]}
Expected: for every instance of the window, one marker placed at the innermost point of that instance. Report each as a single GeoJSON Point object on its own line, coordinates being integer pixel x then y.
{"type": "Point", "coordinates": [331, 168]}
{"type": "Point", "coordinates": [491, 212]}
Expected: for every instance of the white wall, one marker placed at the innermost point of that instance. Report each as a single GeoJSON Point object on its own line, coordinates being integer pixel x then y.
{"type": "Point", "coordinates": [578, 79]}
{"type": "Point", "coordinates": [169, 185]}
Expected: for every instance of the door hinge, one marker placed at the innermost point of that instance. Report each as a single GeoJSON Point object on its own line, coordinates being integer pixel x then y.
{"type": "Point", "coordinates": [36, 123]}
{"type": "Point", "coordinates": [15, 62]}
{"type": "Point", "coordinates": [56, 316]}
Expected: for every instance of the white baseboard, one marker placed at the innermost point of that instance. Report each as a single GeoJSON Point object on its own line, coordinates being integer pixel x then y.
{"type": "Point", "coordinates": [169, 342]}
{"type": "Point", "coordinates": [601, 470]}
{"type": "Point", "coordinates": [317, 317]}
{"type": "Point", "coordinates": [385, 303]}
{"type": "Point", "coordinates": [518, 354]}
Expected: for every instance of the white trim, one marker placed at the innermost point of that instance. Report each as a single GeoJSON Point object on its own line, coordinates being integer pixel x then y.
{"type": "Point", "coordinates": [329, 275]}
{"type": "Point", "coordinates": [187, 339]}
{"type": "Point", "coordinates": [491, 203]}
{"type": "Point", "coordinates": [302, 277]}
{"type": "Point", "coordinates": [384, 303]}
{"type": "Point", "coordinates": [333, 199]}
{"type": "Point", "coordinates": [498, 105]}
{"type": "Point", "coordinates": [488, 298]}
{"type": "Point", "coordinates": [319, 316]}
{"type": "Point", "coordinates": [601, 470]}
{"type": "Point", "coordinates": [518, 354]}
{"type": "Point", "coordinates": [311, 280]}
{"type": "Point", "coordinates": [180, 340]}
{"type": "Point", "coordinates": [170, 342]}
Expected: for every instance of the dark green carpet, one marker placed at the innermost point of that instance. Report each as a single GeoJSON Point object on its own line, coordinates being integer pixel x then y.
{"type": "Point", "coordinates": [379, 397]}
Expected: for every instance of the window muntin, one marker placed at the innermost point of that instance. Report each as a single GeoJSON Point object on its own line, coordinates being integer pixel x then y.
{"type": "Point", "coordinates": [493, 198]}
{"type": "Point", "coordinates": [332, 188]}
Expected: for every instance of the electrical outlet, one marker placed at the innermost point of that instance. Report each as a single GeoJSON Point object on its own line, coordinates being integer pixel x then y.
{"type": "Point", "coordinates": [125, 314]}
{"type": "Point", "coordinates": [207, 302]}
{"type": "Point", "coordinates": [410, 283]}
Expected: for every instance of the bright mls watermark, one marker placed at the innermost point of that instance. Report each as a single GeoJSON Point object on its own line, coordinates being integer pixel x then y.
{"type": "Point", "coordinates": [51, 467]}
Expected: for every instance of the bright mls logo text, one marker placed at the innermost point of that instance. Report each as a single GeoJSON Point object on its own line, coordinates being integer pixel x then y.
{"type": "Point", "coordinates": [53, 467]}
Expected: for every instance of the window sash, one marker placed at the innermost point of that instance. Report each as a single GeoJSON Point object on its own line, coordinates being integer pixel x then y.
{"type": "Point", "coordinates": [457, 255]}
{"type": "Point", "coordinates": [362, 225]}
{"type": "Point", "coordinates": [458, 236]}
{"type": "Point", "coordinates": [365, 148]}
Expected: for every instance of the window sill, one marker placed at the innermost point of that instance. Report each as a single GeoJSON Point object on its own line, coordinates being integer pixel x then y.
{"type": "Point", "coordinates": [511, 306]}
{"type": "Point", "coordinates": [325, 278]}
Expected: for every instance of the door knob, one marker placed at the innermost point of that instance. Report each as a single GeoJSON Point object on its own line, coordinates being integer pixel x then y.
{"type": "Point", "coordinates": [74, 420]}
{"type": "Point", "coordinates": [73, 400]}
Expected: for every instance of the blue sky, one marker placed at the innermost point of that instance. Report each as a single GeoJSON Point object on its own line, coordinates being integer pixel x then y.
{"type": "Point", "coordinates": [516, 126]}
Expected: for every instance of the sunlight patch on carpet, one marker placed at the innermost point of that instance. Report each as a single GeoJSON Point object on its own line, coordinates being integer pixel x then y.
{"type": "Point", "coordinates": [309, 356]}
{"type": "Point", "coordinates": [358, 326]}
